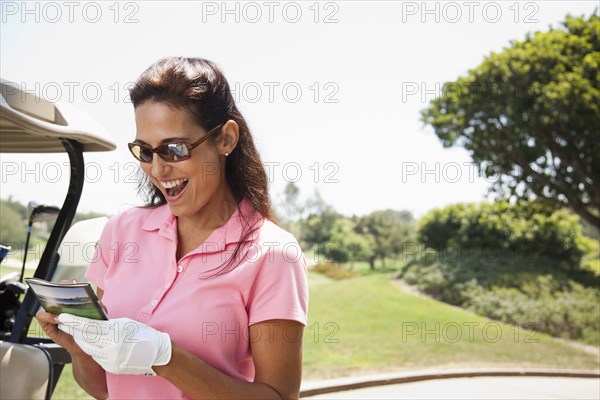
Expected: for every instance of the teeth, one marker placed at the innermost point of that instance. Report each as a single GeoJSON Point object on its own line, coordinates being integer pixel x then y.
{"type": "Point", "coordinates": [173, 183]}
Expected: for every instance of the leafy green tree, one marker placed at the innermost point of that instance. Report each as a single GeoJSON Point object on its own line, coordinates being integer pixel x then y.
{"type": "Point", "coordinates": [528, 231]}
{"type": "Point", "coordinates": [13, 228]}
{"type": "Point", "coordinates": [14, 219]}
{"type": "Point", "coordinates": [17, 207]}
{"type": "Point", "coordinates": [530, 116]}
{"type": "Point", "coordinates": [390, 229]}
{"type": "Point", "coordinates": [346, 244]}
{"type": "Point", "coordinates": [316, 229]}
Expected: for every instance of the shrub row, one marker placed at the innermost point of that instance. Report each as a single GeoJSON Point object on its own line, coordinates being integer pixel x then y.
{"type": "Point", "coordinates": [537, 296]}
{"type": "Point", "coordinates": [530, 229]}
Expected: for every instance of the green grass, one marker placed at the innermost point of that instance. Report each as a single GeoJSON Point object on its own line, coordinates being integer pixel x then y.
{"type": "Point", "coordinates": [67, 388]}
{"type": "Point", "coordinates": [368, 324]}
{"type": "Point", "coordinates": [389, 267]}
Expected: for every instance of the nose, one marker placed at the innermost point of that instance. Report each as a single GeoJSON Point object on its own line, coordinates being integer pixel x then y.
{"type": "Point", "coordinates": [158, 166]}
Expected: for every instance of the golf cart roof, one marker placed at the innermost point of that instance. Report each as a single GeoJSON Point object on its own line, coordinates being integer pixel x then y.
{"type": "Point", "coordinates": [30, 124]}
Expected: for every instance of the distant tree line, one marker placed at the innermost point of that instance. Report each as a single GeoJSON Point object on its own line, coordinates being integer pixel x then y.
{"type": "Point", "coordinates": [345, 239]}
{"type": "Point", "coordinates": [14, 218]}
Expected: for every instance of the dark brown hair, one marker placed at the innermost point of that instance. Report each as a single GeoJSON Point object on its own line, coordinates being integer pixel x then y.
{"type": "Point", "coordinates": [198, 86]}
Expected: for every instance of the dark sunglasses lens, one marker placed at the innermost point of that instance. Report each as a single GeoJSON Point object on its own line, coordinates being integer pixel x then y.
{"type": "Point", "coordinates": [140, 152]}
{"type": "Point", "coordinates": [169, 152]}
{"type": "Point", "coordinates": [173, 152]}
{"type": "Point", "coordinates": [145, 154]}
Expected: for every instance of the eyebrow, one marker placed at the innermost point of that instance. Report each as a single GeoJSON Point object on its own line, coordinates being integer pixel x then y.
{"type": "Point", "coordinates": [165, 141]}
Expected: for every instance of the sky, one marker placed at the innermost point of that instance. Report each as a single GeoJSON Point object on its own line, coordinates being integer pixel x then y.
{"type": "Point", "coordinates": [332, 90]}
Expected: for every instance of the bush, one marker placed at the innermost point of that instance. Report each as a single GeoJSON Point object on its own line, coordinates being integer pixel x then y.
{"type": "Point", "coordinates": [570, 314]}
{"type": "Point", "coordinates": [334, 271]}
{"type": "Point", "coordinates": [525, 229]}
{"type": "Point", "coordinates": [535, 295]}
{"type": "Point", "coordinates": [13, 229]}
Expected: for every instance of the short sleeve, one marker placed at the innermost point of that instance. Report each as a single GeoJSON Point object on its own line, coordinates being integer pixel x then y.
{"type": "Point", "coordinates": [100, 261]}
{"type": "Point", "coordinates": [280, 289]}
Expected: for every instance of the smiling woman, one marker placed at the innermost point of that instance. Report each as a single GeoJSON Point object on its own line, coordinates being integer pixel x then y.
{"type": "Point", "coordinates": [198, 275]}
{"type": "Point", "coordinates": [180, 177]}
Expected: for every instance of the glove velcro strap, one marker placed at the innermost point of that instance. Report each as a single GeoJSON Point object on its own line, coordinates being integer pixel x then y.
{"type": "Point", "coordinates": [141, 357]}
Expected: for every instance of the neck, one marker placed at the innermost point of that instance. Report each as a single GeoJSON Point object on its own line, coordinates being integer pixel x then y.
{"type": "Point", "coordinates": [213, 215]}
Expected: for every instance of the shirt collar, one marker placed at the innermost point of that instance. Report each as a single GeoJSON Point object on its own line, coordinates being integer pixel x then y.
{"type": "Point", "coordinates": [161, 219]}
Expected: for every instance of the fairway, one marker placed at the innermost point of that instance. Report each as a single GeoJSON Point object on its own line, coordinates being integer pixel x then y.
{"type": "Point", "coordinates": [369, 325]}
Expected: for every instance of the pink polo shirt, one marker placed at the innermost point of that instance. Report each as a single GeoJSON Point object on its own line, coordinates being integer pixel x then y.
{"type": "Point", "coordinates": [136, 266]}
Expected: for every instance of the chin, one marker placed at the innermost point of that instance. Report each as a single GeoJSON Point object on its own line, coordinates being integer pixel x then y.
{"type": "Point", "coordinates": [184, 210]}
{"type": "Point", "coordinates": [179, 211]}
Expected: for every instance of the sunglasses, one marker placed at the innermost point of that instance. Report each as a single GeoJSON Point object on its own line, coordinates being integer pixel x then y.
{"type": "Point", "coordinates": [170, 152]}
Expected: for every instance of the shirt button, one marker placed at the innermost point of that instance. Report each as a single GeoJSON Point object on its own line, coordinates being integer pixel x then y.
{"type": "Point", "coordinates": [179, 268]}
{"type": "Point", "coordinates": [154, 302]}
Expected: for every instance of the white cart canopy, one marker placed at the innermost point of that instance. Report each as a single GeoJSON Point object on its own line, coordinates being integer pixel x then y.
{"type": "Point", "coordinates": [30, 124]}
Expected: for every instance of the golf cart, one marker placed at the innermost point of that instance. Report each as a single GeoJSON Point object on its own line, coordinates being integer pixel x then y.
{"type": "Point", "coordinates": [31, 365]}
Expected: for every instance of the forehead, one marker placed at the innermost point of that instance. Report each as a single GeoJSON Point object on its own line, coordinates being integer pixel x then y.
{"type": "Point", "coordinates": [159, 121]}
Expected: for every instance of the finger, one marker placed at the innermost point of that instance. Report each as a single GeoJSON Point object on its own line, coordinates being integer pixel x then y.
{"type": "Point", "coordinates": [52, 331]}
{"type": "Point", "coordinates": [46, 317]}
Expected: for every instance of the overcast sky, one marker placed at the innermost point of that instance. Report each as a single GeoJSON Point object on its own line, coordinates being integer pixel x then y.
{"type": "Point", "coordinates": [331, 90]}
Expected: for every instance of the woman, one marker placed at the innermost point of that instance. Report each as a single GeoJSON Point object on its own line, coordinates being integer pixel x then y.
{"type": "Point", "coordinates": [207, 297]}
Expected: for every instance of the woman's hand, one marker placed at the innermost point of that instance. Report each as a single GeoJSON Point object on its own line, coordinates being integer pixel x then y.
{"type": "Point", "coordinates": [120, 345]}
{"type": "Point", "coordinates": [49, 323]}
{"type": "Point", "coordinates": [87, 373]}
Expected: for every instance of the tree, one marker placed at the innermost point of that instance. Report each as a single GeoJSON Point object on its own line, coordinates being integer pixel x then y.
{"type": "Point", "coordinates": [317, 227]}
{"type": "Point", "coordinates": [346, 244]}
{"type": "Point", "coordinates": [390, 230]}
{"type": "Point", "coordinates": [316, 205]}
{"type": "Point", "coordinates": [289, 210]}
{"type": "Point", "coordinates": [525, 231]}
{"type": "Point", "coordinates": [530, 116]}
{"type": "Point", "coordinates": [290, 197]}
{"type": "Point", "coordinates": [12, 224]}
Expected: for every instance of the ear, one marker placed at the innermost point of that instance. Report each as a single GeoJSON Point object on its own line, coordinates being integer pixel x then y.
{"type": "Point", "coordinates": [230, 134]}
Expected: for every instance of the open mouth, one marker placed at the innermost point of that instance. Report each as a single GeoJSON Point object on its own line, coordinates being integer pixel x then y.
{"type": "Point", "coordinates": [174, 187]}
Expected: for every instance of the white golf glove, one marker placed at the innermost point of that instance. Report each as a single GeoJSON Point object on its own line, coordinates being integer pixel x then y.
{"type": "Point", "coordinates": [120, 345]}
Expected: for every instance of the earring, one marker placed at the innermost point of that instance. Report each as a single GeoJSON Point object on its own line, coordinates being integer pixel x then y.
{"type": "Point", "coordinates": [226, 154]}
